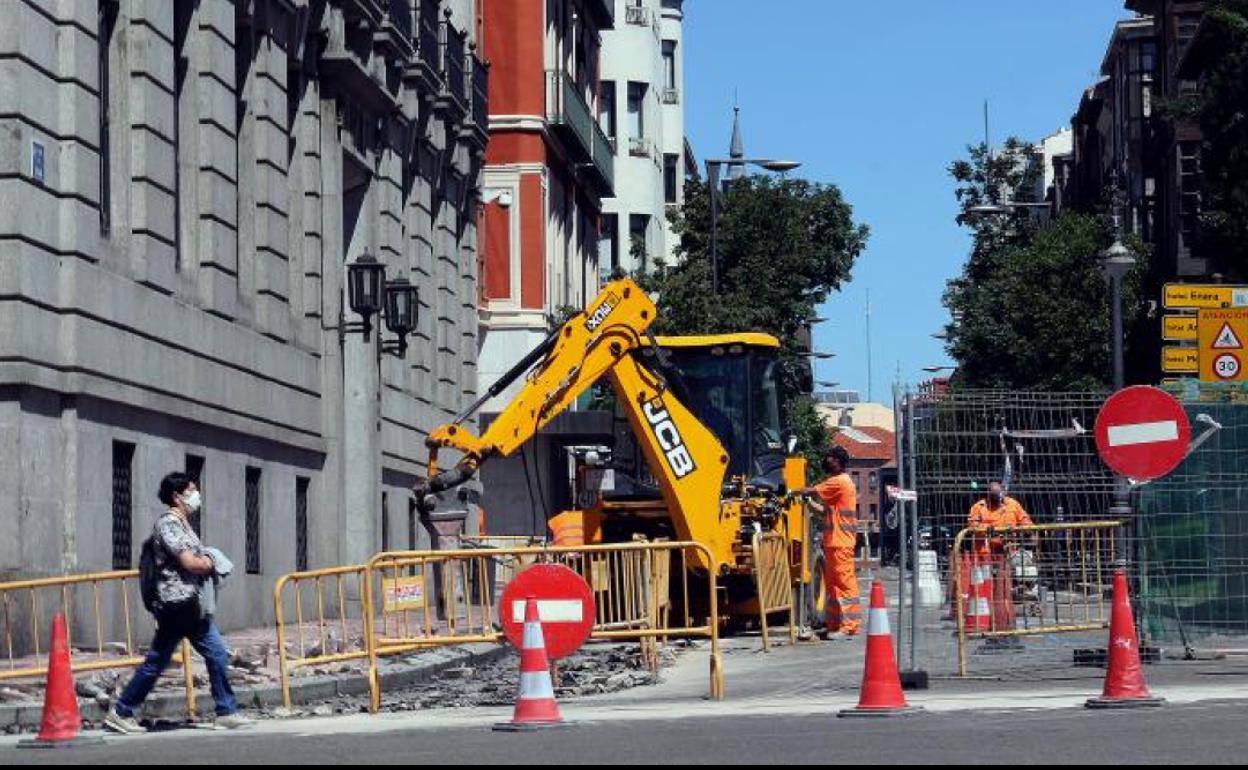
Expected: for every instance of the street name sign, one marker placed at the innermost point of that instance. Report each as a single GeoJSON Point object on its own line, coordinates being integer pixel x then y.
{"type": "Point", "coordinates": [1193, 296]}
{"type": "Point", "coordinates": [1180, 360]}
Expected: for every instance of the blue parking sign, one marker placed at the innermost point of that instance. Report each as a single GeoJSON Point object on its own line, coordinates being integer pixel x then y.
{"type": "Point", "coordinates": [38, 161]}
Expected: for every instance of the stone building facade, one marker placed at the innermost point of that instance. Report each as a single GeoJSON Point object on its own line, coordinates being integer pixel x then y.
{"type": "Point", "coordinates": [182, 184]}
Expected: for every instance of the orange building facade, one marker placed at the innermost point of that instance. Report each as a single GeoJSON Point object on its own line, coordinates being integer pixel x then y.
{"type": "Point", "coordinates": [548, 166]}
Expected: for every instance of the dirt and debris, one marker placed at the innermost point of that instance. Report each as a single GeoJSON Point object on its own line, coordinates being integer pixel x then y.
{"type": "Point", "coordinates": [596, 670]}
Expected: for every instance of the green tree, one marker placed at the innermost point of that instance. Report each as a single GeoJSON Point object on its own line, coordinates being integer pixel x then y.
{"type": "Point", "coordinates": [784, 245]}
{"type": "Point", "coordinates": [1031, 309]}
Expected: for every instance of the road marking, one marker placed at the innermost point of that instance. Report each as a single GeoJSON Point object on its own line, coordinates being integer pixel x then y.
{"type": "Point", "coordinates": [551, 610]}
{"type": "Point", "coordinates": [1143, 433]}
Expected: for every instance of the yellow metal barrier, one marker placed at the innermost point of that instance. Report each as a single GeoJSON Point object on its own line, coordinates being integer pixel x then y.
{"type": "Point", "coordinates": [450, 595]}
{"type": "Point", "coordinates": [347, 585]}
{"type": "Point", "coordinates": [1042, 579]}
{"type": "Point", "coordinates": [772, 576]}
{"type": "Point", "coordinates": [68, 591]}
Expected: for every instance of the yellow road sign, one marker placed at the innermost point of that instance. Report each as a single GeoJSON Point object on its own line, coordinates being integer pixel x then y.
{"type": "Point", "coordinates": [1224, 345]}
{"type": "Point", "coordinates": [1180, 328]}
{"type": "Point", "coordinates": [1180, 360]}
{"type": "Point", "coordinates": [1194, 296]}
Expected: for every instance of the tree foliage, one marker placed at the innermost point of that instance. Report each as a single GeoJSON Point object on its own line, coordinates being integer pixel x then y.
{"type": "Point", "coordinates": [1031, 309]}
{"type": "Point", "coordinates": [1222, 109]}
{"type": "Point", "coordinates": [784, 245]}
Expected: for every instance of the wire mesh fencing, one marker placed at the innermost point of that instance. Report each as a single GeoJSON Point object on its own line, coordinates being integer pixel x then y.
{"type": "Point", "coordinates": [1184, 543]}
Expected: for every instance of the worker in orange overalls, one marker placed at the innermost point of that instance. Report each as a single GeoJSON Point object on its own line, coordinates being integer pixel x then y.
{"type": "Point", "coordinates": [839, 497]}
{"type": "Point", "coordinates": [991, 515]}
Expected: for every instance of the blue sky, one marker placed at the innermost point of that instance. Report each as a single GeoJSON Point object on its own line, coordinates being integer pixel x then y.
{"type": "Point", "coordinates": [878, 97]}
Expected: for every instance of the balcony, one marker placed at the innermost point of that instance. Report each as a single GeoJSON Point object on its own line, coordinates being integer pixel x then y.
{"type": "Point", "coordinates": [602, 12]}
{"type": "Point", "coordinates": [637, 15]}
{"type": "Point", "coordinates": [453, 101]}
{"type": "Point", "coordinates": [370, 11]}
{"type": "Point", "coordinates": [574, 123]}
{"type": "Point", "coordinates": [671, 96]}
{"type": "Point", "coordinates": [426, 68]}
{"type": "Point", "coordinates": [478, 127]}
{"type": "Point", "coordinates": [639, 147]}
{"type": "Point", "coordinates": [395, 35]}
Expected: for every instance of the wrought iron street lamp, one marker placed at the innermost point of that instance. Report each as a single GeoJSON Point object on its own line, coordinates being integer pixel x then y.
{"type": "Point", "coordinates": [402, 312]}
{"type": "Point", "coordinates": [365, 277]}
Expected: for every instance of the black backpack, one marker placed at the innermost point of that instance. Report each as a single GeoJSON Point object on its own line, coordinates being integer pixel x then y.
{"type": "Point", "coordinates": [149, 576]}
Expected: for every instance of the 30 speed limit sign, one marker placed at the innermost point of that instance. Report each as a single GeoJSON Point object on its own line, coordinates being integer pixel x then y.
{"type": "Point", "coordinates": [1226, 366]}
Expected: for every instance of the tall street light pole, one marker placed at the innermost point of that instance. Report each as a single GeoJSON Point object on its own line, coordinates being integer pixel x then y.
{"type": "Point", "coordinates": [712, 177]}
{"type": "Point", "coordinates": [1117, 261]}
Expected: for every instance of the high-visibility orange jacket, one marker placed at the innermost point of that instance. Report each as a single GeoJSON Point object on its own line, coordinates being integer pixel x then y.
{"type": "Point", "coordinates": [840, 501]}
{"type": "Point", "coordinates": [1009, 513]}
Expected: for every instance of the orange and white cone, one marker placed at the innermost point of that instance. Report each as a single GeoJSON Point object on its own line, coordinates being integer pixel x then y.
{"type": "Point", "coordinates": [536, 707]}
{"type": "Point", "coordinates": [61, 720]}
{"type": "Point", "coordinates": [1124, 679]}
{"type": "Point", "coordinates": [979, 607]}
{"type": "Point", "coordinates": [881, 694]}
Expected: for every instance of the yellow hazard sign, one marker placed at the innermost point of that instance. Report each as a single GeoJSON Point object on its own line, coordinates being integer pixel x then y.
{"type": "Point", "coordinates": [1180, 328]}
{"type": "Point", "coordinates": [1224, 345]}
{"type": "Point", "coordinates": [1180, 360]}
{"type": "Point", "coordinates": [1193, 296]}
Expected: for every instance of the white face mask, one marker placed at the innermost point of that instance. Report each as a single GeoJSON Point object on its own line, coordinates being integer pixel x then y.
{"type": "Point", "coordinates": [193, 501]}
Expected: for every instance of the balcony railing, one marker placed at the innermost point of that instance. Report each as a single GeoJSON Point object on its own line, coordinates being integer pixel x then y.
{"type": "Point", "coordinates": [639, 147]}
{"type": "Point", "coordinates": [637, 14]}
{"type": "Point", "coordinates": [453, 53]}
{"type": "Point", "coordinates": [566, 109]}
{"type": "Point", "coordinates": [671, 96]}
{"type": "Point", "coordinates": [427, 31]}
{"type": "Point", "coordinates": [480, 92]}
{"type": "Point", "coordinates": [400, 14]}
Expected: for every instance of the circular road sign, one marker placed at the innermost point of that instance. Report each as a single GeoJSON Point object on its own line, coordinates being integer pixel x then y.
{"type": "Point", "coordinates": [565, 606]}
{"type": "Point", "coordinates": [1226, 366]}
{"type": "Point", "coordinates": [1142, 433]}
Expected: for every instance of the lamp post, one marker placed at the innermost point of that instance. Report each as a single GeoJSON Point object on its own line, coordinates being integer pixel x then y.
{"type": "Point", "coordinates": [1117, 261]}
{"type": "Point", "coordinates": [939, 369]}
{"type": "Point", "coordinates": [712, 178]}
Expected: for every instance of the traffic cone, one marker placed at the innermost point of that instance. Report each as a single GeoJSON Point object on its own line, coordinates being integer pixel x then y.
{"type": "Point", "coordinates": [979, 607]}
{"type": "Point", "coordinates": [881, 694]}
{"type": "Point", "coordinates": [536, 707]}
{"type": "Point", "coordinates": [61, 720]}
{"type": "Point", "coordinates": [1124, 679]}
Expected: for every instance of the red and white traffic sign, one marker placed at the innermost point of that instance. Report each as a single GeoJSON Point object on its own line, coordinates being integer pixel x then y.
{"type": "Point", "coordinates": [565, 605]}
{"type": "Point", "coordinates": [1142, 432]}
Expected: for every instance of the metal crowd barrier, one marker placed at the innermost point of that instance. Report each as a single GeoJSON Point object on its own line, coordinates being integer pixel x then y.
{"type": "Point", "coordinates": [91, 590]}
{"type": "Point", "coordinates": [773, 578]}
{"type": "Point", "coordinates": [315, 631]}
{"type": "Point", "coordinates": [442, 598]}
{"type": "Point", "coordinates": [1040, 579]}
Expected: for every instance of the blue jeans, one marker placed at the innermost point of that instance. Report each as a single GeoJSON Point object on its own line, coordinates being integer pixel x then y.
{"type": "Point", "coordinates": [173, 624]}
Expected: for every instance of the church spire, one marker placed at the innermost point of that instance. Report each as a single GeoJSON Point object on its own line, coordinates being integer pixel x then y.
{"type": "Point", "coordinates": [736, 150]}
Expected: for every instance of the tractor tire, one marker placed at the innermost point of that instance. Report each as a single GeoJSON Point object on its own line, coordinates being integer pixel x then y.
{"type": "Point", "coordinates": [814, 593]}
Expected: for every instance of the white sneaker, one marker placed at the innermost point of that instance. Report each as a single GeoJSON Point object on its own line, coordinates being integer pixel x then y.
{"type": "Point", "coordinates": [123, 725]}
{"type": "Point", "coordinates": [233, 721]}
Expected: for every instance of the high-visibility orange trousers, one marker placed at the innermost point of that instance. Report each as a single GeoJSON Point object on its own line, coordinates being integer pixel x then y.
{"type": "Point", "coordinates": [843, 610]}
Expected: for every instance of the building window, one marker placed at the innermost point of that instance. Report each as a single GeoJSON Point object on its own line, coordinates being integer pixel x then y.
{"type": "Point", "coordinates": [195, 470]}
{"type": "Point", "coordinates": [608, 246]}
{"type": "Point", "coordinates": [252, 524]}
{"type": "Point", "coordinates": [385, 521]}
{"type": "Point", "coordinates": [123, 503]}
{"type": "Point", "coordinates": [107, 25]}
{"type": "Point", "coordinates": [606, 109]}
{"type": "Point", "coordinates": [671, 177]}
{"type": "Point", "coordinates": [301, 523]}
{"type": "Point", "coordinates": [669, 64]}
{"type": "Point", "coordinates": [637, 110]}
{"type": "Point", "coordinates": [638, 228]}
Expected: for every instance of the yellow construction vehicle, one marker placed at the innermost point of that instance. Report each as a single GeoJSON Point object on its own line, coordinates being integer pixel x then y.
{"type": "Point", "coordinates": [705, 413]}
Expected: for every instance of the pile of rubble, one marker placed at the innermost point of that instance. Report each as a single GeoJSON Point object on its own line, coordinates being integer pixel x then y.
{"type": "Point", "coordinates": [593, 671]}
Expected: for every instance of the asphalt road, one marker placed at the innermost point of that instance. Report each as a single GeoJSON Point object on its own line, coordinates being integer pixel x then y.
{"type": "Point", "coordinates": [1210, 732]}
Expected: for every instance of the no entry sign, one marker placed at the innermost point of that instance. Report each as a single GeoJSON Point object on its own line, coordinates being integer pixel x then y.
{"type": "Point", "coordinates": [1142, 433]}
{"type": "Point", "coordinates": [565, 605]}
